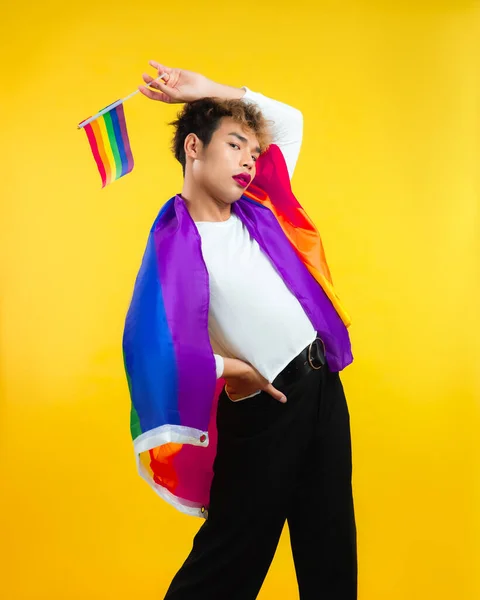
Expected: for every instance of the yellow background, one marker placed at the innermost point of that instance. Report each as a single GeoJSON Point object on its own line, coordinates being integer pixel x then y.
{"type": "Point", "coordinates": [388, 171]}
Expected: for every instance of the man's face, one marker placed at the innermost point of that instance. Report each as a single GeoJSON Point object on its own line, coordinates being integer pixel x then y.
{"type": "Point", "coordinates": [226, 167]}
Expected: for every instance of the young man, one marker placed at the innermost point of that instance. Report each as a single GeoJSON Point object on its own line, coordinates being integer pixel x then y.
{"type": "Point", "coordinates": [277, 338]}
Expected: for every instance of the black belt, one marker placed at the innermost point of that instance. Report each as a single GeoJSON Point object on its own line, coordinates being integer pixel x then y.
{"type": "Point", "coordinates": [310, 358]}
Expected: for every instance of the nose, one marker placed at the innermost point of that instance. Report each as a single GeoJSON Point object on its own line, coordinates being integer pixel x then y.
{"type": "Point", "coordinates": [248, 162]}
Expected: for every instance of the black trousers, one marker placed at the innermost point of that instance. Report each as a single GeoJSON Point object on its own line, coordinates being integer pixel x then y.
{"type": "Point", "coordinates": [278, 462]}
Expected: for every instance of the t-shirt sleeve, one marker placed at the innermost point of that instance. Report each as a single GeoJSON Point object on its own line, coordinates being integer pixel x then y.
{"type": "Point", "coordinates": [286, 124]}
{"type": "Point", "coordinates": [219, 364]}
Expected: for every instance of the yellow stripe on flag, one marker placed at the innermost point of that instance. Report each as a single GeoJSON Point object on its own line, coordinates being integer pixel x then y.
{"type": "Point", "coordinates": [108, 148]}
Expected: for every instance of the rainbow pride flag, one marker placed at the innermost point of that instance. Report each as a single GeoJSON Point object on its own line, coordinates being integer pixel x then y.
{"type": "Point", "coordinates": [169, 360]}
{"type": "Point", "coordinates": [108, 139]}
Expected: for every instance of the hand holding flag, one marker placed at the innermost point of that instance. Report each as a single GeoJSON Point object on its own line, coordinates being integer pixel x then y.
{"type": "Point", "coordinates": [179, 85]}
{"type": "Point", "coordinates": [108, 138]}
{"type": "Point", "coordinates": [107, 131]}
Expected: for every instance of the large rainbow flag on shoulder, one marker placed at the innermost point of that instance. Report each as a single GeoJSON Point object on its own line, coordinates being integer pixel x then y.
{"type": "Point", "coordinates": [168, 356]}
{"type": "Point", "coordinates": [108, 139]}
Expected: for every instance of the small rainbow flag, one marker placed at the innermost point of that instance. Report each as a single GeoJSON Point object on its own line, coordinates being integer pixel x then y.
{"type": "Point", "coordinates": [108, 139]}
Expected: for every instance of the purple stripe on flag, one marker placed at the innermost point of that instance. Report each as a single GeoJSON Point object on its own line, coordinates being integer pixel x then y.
{"type": "Point", "coordinates": [185, 290]}
{"type": "Point", "coordinates": [266, 230]}
{"type": "Point", "coordinates": [126, 141]}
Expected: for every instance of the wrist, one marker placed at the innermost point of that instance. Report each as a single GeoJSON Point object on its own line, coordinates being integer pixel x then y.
{"type": "Point", "coordinates": [225, 92]}
{"type": "Point", "coordinates": [234, 367]}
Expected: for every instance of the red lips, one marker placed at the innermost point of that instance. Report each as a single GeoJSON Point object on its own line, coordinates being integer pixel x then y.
{"type": "Point", "coordinates": [243, 179]}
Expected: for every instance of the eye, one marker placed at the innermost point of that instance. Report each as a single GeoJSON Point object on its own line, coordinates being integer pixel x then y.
{"type": "Point", "coordinates": [233, 145]}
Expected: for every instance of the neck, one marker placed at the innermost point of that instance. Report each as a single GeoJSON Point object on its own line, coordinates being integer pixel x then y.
{"type": "Point", "coordinates": [202, 207]}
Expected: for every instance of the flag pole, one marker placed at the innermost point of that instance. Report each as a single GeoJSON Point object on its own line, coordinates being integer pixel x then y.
{"type": "Point", "coordinates": [115, 104]}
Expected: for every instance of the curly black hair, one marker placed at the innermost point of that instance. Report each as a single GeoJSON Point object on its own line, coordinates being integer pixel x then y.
{"type": "Point", "coordinates": [203, 118]}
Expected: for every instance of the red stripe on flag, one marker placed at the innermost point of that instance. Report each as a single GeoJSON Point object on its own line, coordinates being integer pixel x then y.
{"type": "Point", "coordinates": [96, 154]}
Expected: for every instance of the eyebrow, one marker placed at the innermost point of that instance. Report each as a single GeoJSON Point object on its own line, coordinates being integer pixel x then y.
{"type": "Point", "coordinates": [244, 139]}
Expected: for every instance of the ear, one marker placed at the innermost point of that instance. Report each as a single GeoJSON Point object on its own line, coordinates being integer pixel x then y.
{"type": "Point", "coordinates": [193, 145]}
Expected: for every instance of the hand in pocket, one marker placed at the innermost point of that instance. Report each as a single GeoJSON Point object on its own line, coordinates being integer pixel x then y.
{"type": "Point", "coordinates": [248, 381]}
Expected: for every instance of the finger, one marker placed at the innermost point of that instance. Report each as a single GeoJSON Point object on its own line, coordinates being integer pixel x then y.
{"type": "Point", "coordinates": [231, 394]}
{"type": "Point", "coordinates": [154, 95]}
{"type": "Point", "coordinates": [148, 79]}
{"type": "Point", "coordinates": [152, 81]}
{"type": "Point", "coordinates": [277, 394]}
{"type": "Point", "coordinates": [167, 90]}
{"type": "Point", "coordinates": [160, 68]}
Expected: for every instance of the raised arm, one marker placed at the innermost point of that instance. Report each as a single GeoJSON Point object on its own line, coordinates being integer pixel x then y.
{"type": "Point", "coordinates": [287, 126]}
{"type": "Point", "coordinates": [186, 86]}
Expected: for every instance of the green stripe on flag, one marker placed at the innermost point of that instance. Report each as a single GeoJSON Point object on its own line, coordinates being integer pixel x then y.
{"type": "Point", "coordinates": [113, 143]}
{"type": "Point", "coordinates": [135, 428]}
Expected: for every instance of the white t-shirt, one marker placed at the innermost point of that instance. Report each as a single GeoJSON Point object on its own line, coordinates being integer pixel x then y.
{"type": "Point", "coordinates": [253, 315]}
